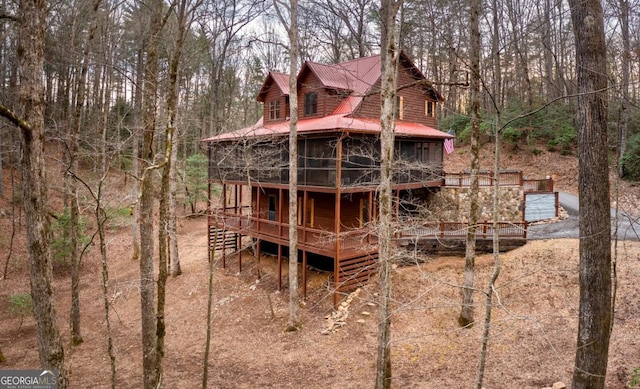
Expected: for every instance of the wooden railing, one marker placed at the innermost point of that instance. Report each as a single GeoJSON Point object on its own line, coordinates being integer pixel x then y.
{"type": "Point", "coordinates": [544, 185]}
{"type": "Point", "coordinates": [357, 238]}
{"type": "Point", "coordinates": [485, 178]}
{"type": "Point", "coordinates": [321, 240]}
{"type": "Point", "coordinates": [458, 230]}
{"type": "Point", "coordinates": [506, 177]}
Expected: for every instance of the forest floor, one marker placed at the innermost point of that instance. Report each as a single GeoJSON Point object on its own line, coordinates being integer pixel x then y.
{"type": "Point", "coordinates": [531, 345]}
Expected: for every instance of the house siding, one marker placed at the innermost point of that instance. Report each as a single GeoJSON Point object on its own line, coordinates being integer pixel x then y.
{"type": "Point", "coordinates": [413, 102]}
{"type": "Point", "coordinates": [328, 100]}
{"type": "Point", "coordinates": [324, 208]}
{"type": "Point", "coordinates": [275, 93]}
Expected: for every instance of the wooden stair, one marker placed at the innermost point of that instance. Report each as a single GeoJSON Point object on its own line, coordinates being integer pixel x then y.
{"type": "Point", "coordinates": [222, 240]}
{"type": "Point", "coordinates": [355, 272]}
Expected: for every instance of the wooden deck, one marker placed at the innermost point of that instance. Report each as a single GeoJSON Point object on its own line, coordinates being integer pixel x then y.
{"type": "Point", "coordinates": [349, 244]}
{"type": "Point", "coordinates": [355, 243]}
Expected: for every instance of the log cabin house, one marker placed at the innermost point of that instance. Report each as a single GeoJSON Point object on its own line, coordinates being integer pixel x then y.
{"type": "Point", "coordinates": [338, 166]}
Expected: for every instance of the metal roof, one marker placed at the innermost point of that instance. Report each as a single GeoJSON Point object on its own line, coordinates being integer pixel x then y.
{"type": "Point", "coordinates": [327, 123]}
{"type": "Point", "coordinates": [357, 77]}
{"type": "Point", "coordinates": [280, 79]}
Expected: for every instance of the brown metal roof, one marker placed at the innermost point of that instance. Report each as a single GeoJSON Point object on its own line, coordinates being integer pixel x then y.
{"type": "Point", "coordinates": [357, 77]}
{"type": "Point", "coordinates": [327, 123]}
{"type": "Point", "coordinates": [281, 80]}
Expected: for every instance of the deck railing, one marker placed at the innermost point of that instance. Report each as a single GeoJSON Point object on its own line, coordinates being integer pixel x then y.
{"type": "Point", "coordinates": [318, 239]}
{"type": "Point", "coordinates": [506, 177]}
{"type": "Point", "coordinates": [544, 185]}
{"type": "Point", "coordinates": [485, 178]}
{"type": "Point", "coordinates": [458, 230]}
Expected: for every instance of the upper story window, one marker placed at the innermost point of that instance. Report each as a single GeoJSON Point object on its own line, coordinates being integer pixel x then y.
{"type": "Point", "coordinates": [310, 103]}
{"type": "Point", "coordinates": [399, 107]}
{"type": "Point", "coordinates": [274, 110]}
{"type": "Point", "coordinates": [429, 109]}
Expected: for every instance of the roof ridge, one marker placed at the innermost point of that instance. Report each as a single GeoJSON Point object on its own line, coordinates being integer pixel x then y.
{"type": "Point", "coordinates": [359, 59]}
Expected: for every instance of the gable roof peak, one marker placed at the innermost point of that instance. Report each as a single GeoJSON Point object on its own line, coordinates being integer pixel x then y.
{"type": "Point", "coordinates": [281, 80]}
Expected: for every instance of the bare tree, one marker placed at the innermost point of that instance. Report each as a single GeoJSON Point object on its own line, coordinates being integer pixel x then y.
{"type": "Point", "coordinates": [594, 323]}
{"type": "Point", "coordinates": [31, 32]}
{"type": "Point", "coordinates": [624, 84]}
{"type": "Point", "coordinates": [101, 218]}
{"type": "Point", "coordinates": [292, 31]}
{"type": "Point", "coordinates": [466, 313]}
{"type": "Point", "coordinates": [184, 15]}
{"type": "Point", "coordinates": [389, 80]}
{"type": "Point", "coordinates": [74, 212]}
{"type": "Point", "coordinates": [151, 376]}
{"type": "Point", "coordinates": [167, 214]}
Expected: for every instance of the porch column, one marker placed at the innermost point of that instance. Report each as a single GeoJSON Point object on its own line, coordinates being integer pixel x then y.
{"type": "Point", "coordinates": [304, 241]}
{"type": "Point", "coordinates": [279, 267]}
{"type": "Point", "coordinates": [224, 225]}
{"type": "Point", "coordinates": [336, 259]}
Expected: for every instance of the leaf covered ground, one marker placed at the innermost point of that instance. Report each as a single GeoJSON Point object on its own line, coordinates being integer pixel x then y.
{"type": "Point", "coordinates": [533, 331]}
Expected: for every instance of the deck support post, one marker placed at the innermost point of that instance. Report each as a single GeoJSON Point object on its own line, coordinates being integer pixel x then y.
{"type": "Point", "coordinates": [279, 267]}
{"type": "Point", "coordinates": [370, 217]}
{"type": "Point", "coordinates": [223, 235]}
{"type": "Point", "coordinates": [304, 273]}
{"type": "Point", "coordinates": [239, 244]}
{"type": "Point", "coordinates": [258, 257]}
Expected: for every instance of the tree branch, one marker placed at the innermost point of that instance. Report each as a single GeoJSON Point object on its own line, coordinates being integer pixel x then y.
{"type": "Point", "coordinates": [8, 114]}
{"type": "Point", "coordinates": [13, 18]}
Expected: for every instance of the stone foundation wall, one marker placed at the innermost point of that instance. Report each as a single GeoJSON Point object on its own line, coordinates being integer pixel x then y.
{"type": "Point", "coordinates": [452, 204]}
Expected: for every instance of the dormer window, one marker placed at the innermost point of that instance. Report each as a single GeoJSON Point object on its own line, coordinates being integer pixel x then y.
{"type": "Point", "coordinates": [429, 109]}
{"type": "Point", "coordinates": [274, 110]}
{"type": "Point", "coordinates": [310, 103]}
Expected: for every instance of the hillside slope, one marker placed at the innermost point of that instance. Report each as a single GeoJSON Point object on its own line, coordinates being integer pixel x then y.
{"type": "Point", "coordinates": [562, 168]}
{"type": "Point", "coordinates": [532, 341]}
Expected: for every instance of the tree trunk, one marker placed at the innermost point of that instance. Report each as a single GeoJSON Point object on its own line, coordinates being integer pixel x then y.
{"type": "Point", "coordinates": [165, 189]}
{"type": "Point", "coordinates": [31, 30]}
{"type": "Point", "coordinates": [389, 80]}
{"type": "Point", "coordinates": [594, 323]}
{"type": "Point", "coordinates": [135, 148]}
{"type": "Point", "coordinates": [624, 85]}
{"type": "Point", "coordinates": [207, 347]}
{"type": "Point", "coordinates": [488, 304]}
{"type": "Point", "coordinates": [1, 179]}
{"type": "Point", "coordinates": [294, 317]}
{"type": "Point", "coordinates": [495, 57]}
{"type": "Point", "coordinates": [74, 135]}
{"type": "Point", "coordinates": [147, 285]}
{"type": "Point", "coordinates": [550, 86]}
{"type": "Point", "coordinates": [292, 30]}
{"type": "Point", "coordinates": [174, 254]}
{"type": "Point", "coordinates": [466, 313]}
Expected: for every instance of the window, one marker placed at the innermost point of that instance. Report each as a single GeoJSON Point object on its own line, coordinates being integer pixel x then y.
{"type": "Point", "coordinates": [274, 110]}
{"type": "Point", "coordinates": [310, 215]}
{"type": "Point", "coordinates": [310, 103]}
{"type": "Point", "coordinates": [399, 107]}
{"type": "Point", "coordinates": [429, 152]}
{"type": "Point", "coordinates": [364, 212]}
{"type": "Point", "coordinates": [272, 208]}
{"type": "Point", "coordinates": [429, 109]}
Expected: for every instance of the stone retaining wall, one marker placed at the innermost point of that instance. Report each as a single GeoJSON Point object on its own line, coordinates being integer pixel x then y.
{"type": "Point", "coordinates": [452, 204]}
